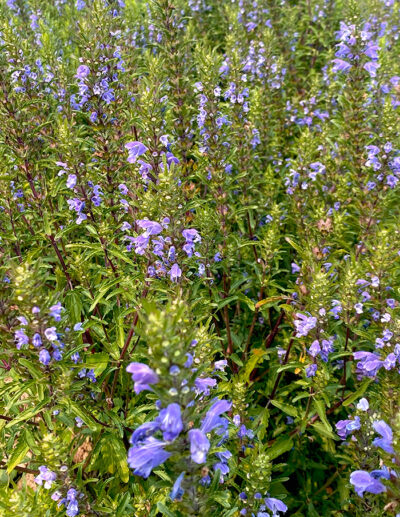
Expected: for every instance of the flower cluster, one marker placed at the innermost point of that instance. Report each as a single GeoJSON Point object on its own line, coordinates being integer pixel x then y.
{"type": "Point", "coordinates": [163, 249]}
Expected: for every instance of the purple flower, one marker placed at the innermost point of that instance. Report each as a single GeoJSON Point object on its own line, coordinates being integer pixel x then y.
{"type": "Point", "coordinates": [314, 349]}
{"type": "Point", "coordinates": [371, 67]}
{"type": "Point", "coordinates": [145, 457]}
{"type": "Point", "coordinates": [44, 357]}
{"type": "Point", "coordinates": [142, 376]}
{"type": "Point", "coordinates": [20, 338]}
{"type": "Point", "coordinates": [51, 334]}
{"type": "Point", "coordinates": [55, 311]}
{"type": "Point", "coordinates": [275, 506]}
{"type": "Point", "coordinates": [311, 370]}
{"type": "Point", "coordinates": [151, 227]}
{"type": "Point", "coordinates": [191, 235]}
{"type": "Point", "coordinates": [391, 180]}
{"type": "Point", "coordinates": [371, 51]}
{"type": "Point", "coordinates": [144, 431]}
{"type": "Point", "coordinates": [295, 268]}
{"type": "Point", "coordinates": [123, 189]}
{"type": "Point", "coordinates": [385, 442]}
{"type": "Point", "coordinates": [203, 385]}
{"type": "Point", "coordinates": [175, 273]}
{"type": "Point", "coordinates": [170, 422]}
{"type": "Point", "coordinates": [45, 477]}
{"type": "Point", "coordinates": [341, 66]}
{"type": "Point", "coordinates": [82, 72]}
{"type": "Point", "coordinates": [390, 362]}
{"type": "Point", "coordinates": [363, 404]}
{"type": "Point", "coordinates": [199, 445]}
{"type": "Point", "coordinates": [36, 340]}
{"type": "Point", "coordinates": [177, 492]}
{"type": "Point", "coordinates": [304, 324]}
{"type": "Point", "coordinates": [221, 365]}
{"type": "Point", "coordinates": [359, 308]}
{"type": "Point", "coordinates": [364, 482]}
{"type": "Point", "coordinates": [71, 180]}
{"type": "Point", "coordinates": [346, 427]}
{"type": "Point", "coordinates": [212, 418]}
{"type": "Point", "coordinates": [126, 226]}
{"type": "Point", "coordinates": [369, 363]}
{"type": "Point", "coordinates": [135, 149]}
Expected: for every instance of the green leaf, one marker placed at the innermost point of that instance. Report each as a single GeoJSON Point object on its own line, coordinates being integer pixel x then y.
{"type": "Point", "coordinates": [29, 413]}
{"type": "Point", "coordinates": [18, 454]}
{"type": "Point", "coordinates": [119, 458]}
{"type": "Point", "coordinates": [320, 407]}
{"type": "Point", "coordinates": [98, 362]}
{"type": "Point", "coordinates": [322, 430]}
{"type": "Point", "coordinates": [281, 446]}
{"type": "Point", "coordinates": [257, 355]}
{"type": "Point", "coordinates": [36, 372]}
{"type": "Point", "coordinates": [286, 408]}
{"type": "Point", "coordinates": [359, 393]}
{"type": "Point", "coordinates": [164, 510]}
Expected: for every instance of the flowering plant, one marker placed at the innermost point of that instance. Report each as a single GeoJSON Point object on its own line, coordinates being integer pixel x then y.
{"type": "Point", "coordinates": [199, 258]}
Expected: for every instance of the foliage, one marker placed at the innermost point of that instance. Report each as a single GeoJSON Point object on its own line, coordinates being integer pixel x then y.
{"type": "Point", "coordinates": [199, 258]}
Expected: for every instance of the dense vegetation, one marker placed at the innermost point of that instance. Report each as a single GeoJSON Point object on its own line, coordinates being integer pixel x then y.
{"type": "Point", "coordinates": [199, 258]}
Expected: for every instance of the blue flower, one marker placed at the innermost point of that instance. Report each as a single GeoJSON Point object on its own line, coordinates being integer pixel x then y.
{"type": "Point", "coordinates": [363, 404]}
{"type": "Point", "coordinates": [82, 72]}
{"type": "Point", "coordinates": [212, 418]}
{"type": "Point", "coordinates": [20, 338]}
{"type": "Point", "coordinates": [151, 227]}
{"type": "Point", "coordinates": [71, 180]}
{"type": "Point", "coordinates": [51, 334]}
{"type": "Point", "coordinates": [36, 340]}
{"type": "Point", "coordinates": [44, 357]}
{"type": "Point", "coordinates": [135, 149]}
{"type": "Point", "coordinates": [311, 370]}
{"type": "Point", "coordinates": [364, 482]}
{"type": "Point", "coordinates": [46, 477]}
{"type": "Point", "coordinates": [145, 457]}
{"type": "Point", "coordinates": [143, 431]}
{"type": "Point", "coordinates": [170, 422]}
{"type": "Point", "coordinates": [275, 505]}
{"type": "Point", "coordinates": [385, 442]}
{"type": "Point", "coordinates": [142, 376]}
{"type": "Point", "coordinates": [304, 324]}
{"type": "Point", "coordinates": [199, 445]}
{"type": "Point", "coordinates": [177, 492]}
{"type": "Point", "coordinates": [203, 385]}
{"type": "Point", "coordinates": [175, 273]}
{"type": "Point", "coordinates": [371, 67]}
{"type": "Point", "coordinates": [341, 66]}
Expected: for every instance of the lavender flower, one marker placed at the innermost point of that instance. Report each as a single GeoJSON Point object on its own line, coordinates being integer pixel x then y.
{"type": "Point", "coordinates": [170, 422]}
{"type": "Point", "coordinates": [145, 457]}
{"type": "Point", "coordinates": [135, 149]}
{"type": "Point", "coordinates": [44, 357]}
{"type": "Point", "coordinates": [82, 72]}
{"type": "Point", "coordinates": [385, 442]}
{"type": "Point", "coordinates": [364, 482]}
{"type": "Point", "coordinates": [142, 376]}
{"type": "Point", "coordinates": [45, 477]}
{"type": "Point", "coordinates": [177, 492]}
{"type": "Point", "coordinates": [175, 273]}
{"type": "Point", "coordinates": [304, 324]}
{"type": "Point", "coordinates": [275, 506]}
{"type": "Point", "coordinates": [199, 445]}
